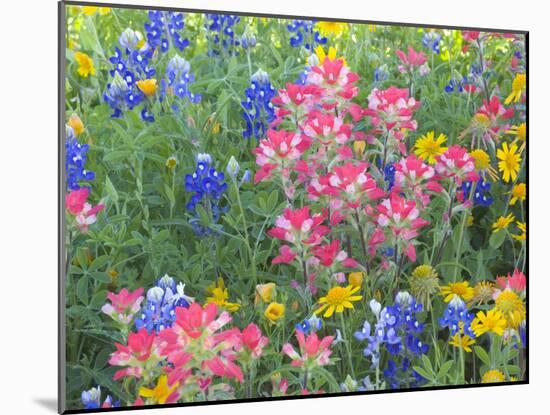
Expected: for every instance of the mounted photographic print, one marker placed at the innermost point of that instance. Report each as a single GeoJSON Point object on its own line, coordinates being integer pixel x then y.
{"type": "Point", "coordinates": [258, 207]}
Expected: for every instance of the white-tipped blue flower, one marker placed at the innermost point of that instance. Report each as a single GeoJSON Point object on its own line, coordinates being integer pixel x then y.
{"type": "Point", "coordinates": [246, 176]}
{"type": "Point", "coordinates": [178, 65]}
{"type": "Point", "coordinates": [91, 399]}
{"type": "Point", "coordinates": [155, 294]}
{"type": "Point", "coordinates": [260, 76]}
{"type": "Point", "coordinates": [232, 167]}
{"type": "Point", "coordinates": [204, 158]}
{"type": "Point", "coordinates": [375, 307]}
{"type": "Point", "coordinates": [130, 39]}
{"type": "Point", "coordinates": [403, 298]}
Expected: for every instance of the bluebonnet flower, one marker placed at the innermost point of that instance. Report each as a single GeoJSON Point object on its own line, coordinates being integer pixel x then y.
{"type": "Point", "coordinates": [457, 318]}
{"type": "Point", "coordinates": [131, 64]}
{"type": "Point", "coordinates": [221, 32]}
{"type": "Point", "coordinates": [431, 40]}
{"type": "Point", "coordinates": [398, 330]}
{"type": "Point", "coordinates": [164, 28]}
{"type": "Point", "coordinates": [75, 160]}
{"type": "Point", "coordinates": [381, 73]}
{"type": "Point", "coordinates": [159, 310]}
{"type": "Point", "coordinates": [248, 40]}
{"type": "Point", "coordinates": [208, 186]}
{"type": "Point", "coordinates": [389, 175]}
{"type": "Point", "coordinates": [176, 83]}
{"type": "Point", "coordinates": [91, 399]}
{"type": "Point", "coordinates": [481, 192]}
{"type": "Point", "coordinates": [258, 110]}
{"type": "Point", "coordinates": [310, 325]}
{"type": "Point", "coordinates": [455, 85]}
{"type": "Point", "coordinates": [304, 34]}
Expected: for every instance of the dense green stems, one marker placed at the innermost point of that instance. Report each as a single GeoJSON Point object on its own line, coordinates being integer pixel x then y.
{"type": "Point", "coordinates": [362, 241]}
{"type": "Point", "coordinates": [251, 254]}
{"type": "Point", "coordinates": [346, 339]}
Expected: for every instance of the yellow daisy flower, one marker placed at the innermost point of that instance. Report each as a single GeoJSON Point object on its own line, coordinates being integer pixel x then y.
{"type": "Point", "coordinates": [337, 299]}
{"type": "Point", "coordinates": [502, 222]}
{"type": "Point", "coordinates": [355, 279]}
{"type": "Point", "coordinates": [462, 289]}
{"type": "Point", "coordinates": [265, 292]}
{"type": "Point", "coordinates": [331, 55]}
{"type": "Point", "coordinates": [483, 293]}
{"type": "Point", "coordinates": [85, 64]}
{"type": "Point", "coordinates": [518, 86]}
{"type": "Point", "coordinates": [482, 162]}
{"type": "Point", "coordinates": [219, 296]}
{"type": "Point", "coordinates": [76, 124]}
{"type": "Point", "coordinates": [427, 147]}
{"type": "Point", "coordinates": [493, 322]}
{"type": "Point", "coordinates": [519, 192]}
{"type": "Point", "coordinates": [522, 226]}
{"type": "Point", "coordinates": [331, 28]}
{"type": "Point", "coordinates": [160, 393]}
{"type": "Point", "coordinates": [462, 341]}
{"type": "Point", "coordinates": [510, 161]}
{"type": "Point", "coordinates": [275, 311]}
{"type": "Point", "coordinates": [492, 376]}
{"type": "Point", "coordinates": [147, 86]}
{"type": "Point", "coordinates": [512, 308]}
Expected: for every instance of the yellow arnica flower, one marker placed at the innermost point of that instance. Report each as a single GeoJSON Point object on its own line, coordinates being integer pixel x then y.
{"type": "Point", "coordinates": [463, 341]}
{"type": "Point", "coordinates": [519, 192]}
{"type": "Point", "coordinates": [512, 308]}
{"type": "Point", "coordinates": [265, 292]}
{"type": "Point", "coordinates": [428, 147]}
{"type": "Point", "coordinates": [147, 86]}
{"type": "Point", "coordinates": [510, 161]}
{"type": "Point", "coordinates": [337, 299]}
{"type": "Point", "coordinates": [482, 162]}
{"type": "Point", "coordinates": [462, 289]}
{"type": "Point", "coordinates": [522, 226]}
{"type": "Point", "coordinates": [520, 131]}
{"type": "Point", "coordinates": [171, 162]}
{"type": "Point", "coordinates": [219, 296]}
{"type": "Point", "coordinates": [328, 28]}
{"type": "Point", "coordinates": [76, 124]}
{"type": "Point", "coordinates": [502, 222]}
{"type": "Point", "coordinates": [492, 322]}
{"type": "Point", "coordinates": [332, 54]}
{"type": "Point", "coordinates": [161, 392]}
{"type": "Point", "coordinates": [91, 10]}
{"type": "Point", "coordinates": [275, 311]}
{"type": "Point", "coordinates": [518, 86]}
{"type": "Point", "coordinates": [492, 376]}
{"type": "Point", "coordinates": [355, 279]}
{"type": "Point", "coordinates": [85, 64]}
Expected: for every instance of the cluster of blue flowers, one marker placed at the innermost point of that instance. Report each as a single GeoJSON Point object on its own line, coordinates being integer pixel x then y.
{"type": "Point", "coordinates": [457, 318]}
{"type": "Point", "coordinates": [178, 79]}
{"type": "Point", "coordinates": [258, 110]}
{"type": "Point", "coordinates": [304, 34]}
{"type": "Point", "coordinates": [221, 28]}
{"type": "Point", "coordinates": [91, 399]}
{"type": "Point", "coordinates": [208, 186]}
{"type": "Point", "coordinates": [481, 191]}
{"type": "Point", "coordinates": [159, 310]}
{"type": "Point", "coordinates": [389, 175]}
{"type": "Point", "coordinates": [474, 77]}
{"type": "Point", "coordinates": [431, 41]}
{"type": "Point", "coordinates": [75, 160]}
{"type": "Point", "coordinates": [398, 330]}
{"type": "Point", "coordinates": [401, 375]}
{"type": "Point", "coordinates": [131, 64]}
{"type": "Point", "coordinates": [164, 28]}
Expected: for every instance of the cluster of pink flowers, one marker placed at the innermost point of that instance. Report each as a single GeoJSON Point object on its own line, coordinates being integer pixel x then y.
{"type": "Point", "coordinates": [194, 352]}
{"type": "Point", "coordinates": [76, 203]}
{"type": "Point", "coordinates": [312, 351]}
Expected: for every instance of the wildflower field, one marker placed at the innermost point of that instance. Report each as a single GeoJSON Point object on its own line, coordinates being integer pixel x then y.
{"type": "Point", "coordinates": [266, 207]}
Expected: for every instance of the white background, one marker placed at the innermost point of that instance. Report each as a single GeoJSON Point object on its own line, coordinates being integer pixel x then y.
{"type": "Point", "coordinates": [28, 168]}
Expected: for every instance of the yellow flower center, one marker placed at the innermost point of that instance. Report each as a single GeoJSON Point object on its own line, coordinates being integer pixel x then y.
{"type": "Point", "coordinates": [423, 271]}
{"type": "Point", "coordinates": [337, 296]}
{"type": "Point", "coordinates": [493, 376]}
{"type": "Point", "coordinates": [482, 120]}
{"type": "Point", "coordinates": [519, 83]}
{"type": "Point", "coordinates": [481, 158]}
{"type": "Point", "coordinates": [508, 302]}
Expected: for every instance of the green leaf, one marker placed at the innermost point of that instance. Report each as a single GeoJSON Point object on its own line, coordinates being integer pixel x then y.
{"type": "Point", "coordinates": [422, 372]}
{"type": "Point", "coordinates": [170, 195]}
{"type": "Point", "coordinates": [99, 262]}
{"type": "Point", "coordinates": [110, 189]}
{"type": "Point", "coordinates": [117, 155]}
{"type": "Point", "coordinates": [497, 238]}
{"type": "Point", "coordinates": [82, 289]}
{"type": "Point", "coordinates": [445, 367]}
{"type": "Point", "coordinates": [482, 355]}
